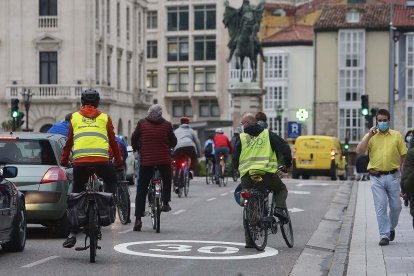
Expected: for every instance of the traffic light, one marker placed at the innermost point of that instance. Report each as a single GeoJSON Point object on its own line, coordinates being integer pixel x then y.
{"type": "Point", "coordinates": [19, 119]}
{"type": "Point", "coordinates": [364, 105]}
{"type": "Point", "coordinates": [346, 144]}
{"type": "Point", "coordinates": [14, 108]}
{"type": "Point", "coordinates": [369, 121]}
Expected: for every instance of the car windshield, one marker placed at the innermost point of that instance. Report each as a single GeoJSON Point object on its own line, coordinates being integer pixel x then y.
{"type": "Point", "coordinates": [30, 152]}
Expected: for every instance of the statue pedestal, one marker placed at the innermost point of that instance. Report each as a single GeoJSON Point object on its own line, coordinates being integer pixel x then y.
{"type": "Point", "coordinates": [246, 97]}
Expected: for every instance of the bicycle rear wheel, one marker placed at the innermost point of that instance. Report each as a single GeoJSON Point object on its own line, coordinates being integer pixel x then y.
{"type": "Point", "coordinates": [180, 183]}
{"type": "Point", "coordinates": [253, 221]}
{"type": "Point", "coordinates": [123, 203]}
{"type": "Point", "coordinates": [186, 185]}
{"type": "Point", "coordinates": [157, 215]}
{"type": "Point", "coordinates": [92, 231]}
{"type": "Point", "coordinates": [287, 233]}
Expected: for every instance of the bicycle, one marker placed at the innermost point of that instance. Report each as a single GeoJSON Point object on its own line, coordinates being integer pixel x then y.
{"type": "Point", "coordinates": [209, 171]}
{"type": "Point", "coordinates": [258, 216]}
{"type": "Point", "coordinates": [222, 170]}
{"type": "Point", "coordinates": [183, 178]}
{"type": "Point", "coordinates": [235, 175]}
{"type": "Point", "coordinates": [122, 198]}
{"type": "Point", "coordinates": [155, 199]}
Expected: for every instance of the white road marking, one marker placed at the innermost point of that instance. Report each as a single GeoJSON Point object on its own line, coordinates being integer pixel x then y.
{"type": "Point", "coordinates": [179, 212]}
{"type": "Point", "coordinates": [231, 191]}
{"type": "Point", "coordinates": [224, 194]}
{"type": "Point", "coordinates": [179, 246]}
{"type": "Point", "coordinates": [40, 261]}
{"type": "Point", "coordinates": [299, 192]}
{"type": "Point", "coordinates": [125, 231]}
{"type": "Point", "coordinates": [317, 184]}
{"type": "Point", "coordinates": [295, 210]}
{"type": "Point", "coordinates": [132, 204]}
{"type": "Point", "coordinates": [210, 199]}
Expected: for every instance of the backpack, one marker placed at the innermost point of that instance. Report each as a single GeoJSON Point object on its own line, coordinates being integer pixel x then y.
{"type": "Point", "coordinates": [209, 148]}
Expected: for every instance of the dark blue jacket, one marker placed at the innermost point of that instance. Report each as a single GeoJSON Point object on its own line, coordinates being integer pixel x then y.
{"type": "Point", "coordinates": [123, 146]}
{"type": "Point", "coordinates": [60, 128]}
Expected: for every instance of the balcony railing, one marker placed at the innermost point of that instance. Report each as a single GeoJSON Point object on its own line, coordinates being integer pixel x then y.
{"type": "Point", "coordinates": [48, 22]}
{"type": "Point", "coordinates": [67, 92]}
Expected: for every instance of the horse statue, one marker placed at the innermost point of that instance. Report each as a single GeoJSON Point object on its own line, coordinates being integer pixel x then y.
{"type": "Point", "coordinates": [243, 25]}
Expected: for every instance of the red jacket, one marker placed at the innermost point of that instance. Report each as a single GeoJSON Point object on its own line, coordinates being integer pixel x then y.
{"type": "Point", "coordinates": [154, 139]}
{"type": "Point", "coordinates": [91, 112]}
{"type": "Point", "coordinates": [221, 140]}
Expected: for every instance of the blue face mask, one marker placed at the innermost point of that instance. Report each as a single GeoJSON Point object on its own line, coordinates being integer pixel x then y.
{"type": "Point", "coordinates": [383, 126]}
{"type": "Point", "coordinates": [408, 139]}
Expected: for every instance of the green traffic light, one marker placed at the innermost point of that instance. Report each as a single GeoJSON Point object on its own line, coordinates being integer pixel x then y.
{"type": "Point", "coordinates": [346, 147]}
{"type": "Point", "coordinates": [15, 114]}
{"type": "Point", "coordinates": [364, 111]}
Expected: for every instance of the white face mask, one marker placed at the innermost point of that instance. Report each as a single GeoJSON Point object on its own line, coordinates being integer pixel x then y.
{"type": "Point", "coordinates": [408, 139]}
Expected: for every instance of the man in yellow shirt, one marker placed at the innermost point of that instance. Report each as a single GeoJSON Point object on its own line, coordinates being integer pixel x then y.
{"type": "Point", "coordinates": [387, 150]}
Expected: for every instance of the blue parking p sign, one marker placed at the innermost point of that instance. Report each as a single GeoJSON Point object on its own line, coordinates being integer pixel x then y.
{"type": "Point", "coordinates": [294, 129]}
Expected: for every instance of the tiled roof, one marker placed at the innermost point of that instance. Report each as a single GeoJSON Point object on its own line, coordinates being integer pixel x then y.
{"type": "Point", "coordinates": [292, 35]}
{"type": "Point", "coordinates": [403, 17]}
{"type": "Point", "coordinates": [373, 17]}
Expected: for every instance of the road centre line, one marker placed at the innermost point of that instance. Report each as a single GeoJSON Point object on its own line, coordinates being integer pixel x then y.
{"type": "Point", "coordinates": [224, 194]}
{"type": "Point", "coordinates": [126, 231]}
{"type": "Point", "coordinates": [132, 204]}
{"type": "Point", "coordinates": [179, 212]}
{"type": "Point", "coordinates": [40, 261]}
{"type": "Point", "coordinates": [210, 199]}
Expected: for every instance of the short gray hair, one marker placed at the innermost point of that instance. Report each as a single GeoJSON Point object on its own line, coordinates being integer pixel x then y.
{"type": "Point", "coordinates": [155, 110]}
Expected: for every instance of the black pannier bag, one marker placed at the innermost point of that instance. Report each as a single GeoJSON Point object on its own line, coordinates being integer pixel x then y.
{"type": "Point", "coordinates": [77, 213]}
{"type": "Point", "coordinates": [106, 208]}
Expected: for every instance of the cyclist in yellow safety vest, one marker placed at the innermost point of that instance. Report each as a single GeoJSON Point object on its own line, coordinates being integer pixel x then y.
{"type": "Point", "coordinates": [259, 150]}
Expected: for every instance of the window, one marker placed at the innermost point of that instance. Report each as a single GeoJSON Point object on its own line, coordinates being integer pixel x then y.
{"type": "Point", "coordinates": [204, 79]}
{"type": "Point", "coordinates": [47, 7]}
{"type": "Point", "coordinates": [152, 49]}
{"type": "Point", "coordinates": [177, 80]}
{"type": "Point", "coordinates": [98, 67]}
{"type": "Point", "coordinates": [152, 20]}
{"type": "Point", "coordinates": [177, 19]}
{"type": "Point", "coordinates": [97, 14]}
{"type": "Point", "coordinates": [152, 79]}
{"type": "Point", "coordinates": [276, 98]}
{"type": "Point", "coordinates": [204, 48]}
{"type": "Point", "coordinates": [352, 16]}
{"type": "Point", "coordinates": [48, 68]}
{"type": "Point", "coordinates": [350, 124]}
{"type": "Point", "coordinates": [206, 17]}
{"type": "Point", "coordinates": [409, 67]}
{"type": "Point", "coordinates": [118, 72]}
{"type": "Point", "coordinates": [108, 69]}
{"type": "Point", "coordinates": [108, 16]}
{"type": "Point", "coordinates": [127, 24]}
{"type": "Point", "coordinates": [182, 108]}
{"type": "Point", "coordinates": [128, 74]}
{"type": "Point", "coordinates": [276, 66]}
{"type": "Point", "coordinates": [28, 152]}
{"type": "Point", "coordinates": [209, 108]}
{"type": "Point", "coordinates": [118, 19]}
{"type": "Point", "coordinates": [177, 48]}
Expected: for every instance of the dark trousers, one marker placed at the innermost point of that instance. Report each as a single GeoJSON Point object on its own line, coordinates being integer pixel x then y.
{"type": "Point", "coordinates": [145, 175]}
{"type": "Point", "coordinates": [180, 153]}
{"type": "Point", "coordinates": [81, 176]}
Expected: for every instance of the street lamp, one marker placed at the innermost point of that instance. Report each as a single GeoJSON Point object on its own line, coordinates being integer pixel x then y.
{"type": "Point", "coordinates": [27, 99]}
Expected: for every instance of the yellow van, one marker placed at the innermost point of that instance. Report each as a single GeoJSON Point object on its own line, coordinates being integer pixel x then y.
{"type": "Point", "coordinates": [318, 155]}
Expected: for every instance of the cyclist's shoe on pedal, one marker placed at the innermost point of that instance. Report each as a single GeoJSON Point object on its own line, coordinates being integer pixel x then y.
{"type": "Point", "coordinates": [176, 190]}
{"type": "Point", "coordinates": [190, 174]}
{"type": "Point", "coordinates": [166, 207]}
{"type": "Point", "coordinates": [69, 242]}
{"type": "Point", "coordinates": [138, 224]}
{"type": "Point", "coordinates": [282, 214]}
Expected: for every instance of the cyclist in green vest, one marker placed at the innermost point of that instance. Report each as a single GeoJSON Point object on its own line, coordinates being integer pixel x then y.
{"type": "Point", "coordinates": [261, 150]}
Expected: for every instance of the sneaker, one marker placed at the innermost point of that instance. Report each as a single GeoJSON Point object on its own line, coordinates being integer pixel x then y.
{"type": "Point", "coordinates": [392, 235]}
{"type": "Point", "coordinates": [69, 242]}
{"type": "Point", "coordinates": [165, 207]}
{"type": "Point", "coordinates": [384, 241]}
{"type": "Point", "coordinates": [138, 224]}
{"type": "Point", "coordinates": [176, 190]}
{"type": "Point", "coordinates": [282, 214]}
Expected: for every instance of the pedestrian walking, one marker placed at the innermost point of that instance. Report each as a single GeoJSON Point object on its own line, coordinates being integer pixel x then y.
{"type": "Point", "coordinates": [387, 150]}
{"type": "Point", "coordinates": [407, 178]}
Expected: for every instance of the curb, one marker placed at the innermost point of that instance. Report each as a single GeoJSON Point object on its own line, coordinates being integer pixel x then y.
{"type": "Point", "coordinates": [326, 253]}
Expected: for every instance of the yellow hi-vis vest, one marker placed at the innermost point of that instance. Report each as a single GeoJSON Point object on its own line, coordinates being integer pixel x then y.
{"type": "Point", "coordinates": [90, 137]}
{"type": "Point", "coordinates": [257, 153]}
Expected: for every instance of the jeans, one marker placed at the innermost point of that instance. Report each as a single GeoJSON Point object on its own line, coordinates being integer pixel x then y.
{"type": "Point", "coordinates": [386, 190]}
{"type": "Point", "coordinates": [217, 151]}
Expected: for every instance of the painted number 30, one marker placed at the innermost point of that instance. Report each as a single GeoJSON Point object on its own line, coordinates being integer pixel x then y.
{"type": "Point", "coordinates": [214, 249]}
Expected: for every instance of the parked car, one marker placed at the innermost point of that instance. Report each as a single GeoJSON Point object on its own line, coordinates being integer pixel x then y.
{"type": "Point", "coordinates": [13, 224]}
{"type": "Point", "coordinates": [130, 165]}
{"type": "Point", "coordinates": [43, 181]}
{"type": "Point", "coordinates": [318, 155]}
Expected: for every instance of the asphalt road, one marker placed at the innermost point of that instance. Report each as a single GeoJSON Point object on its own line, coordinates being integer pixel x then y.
{"type": "Point", "coordinates": [202, 235]}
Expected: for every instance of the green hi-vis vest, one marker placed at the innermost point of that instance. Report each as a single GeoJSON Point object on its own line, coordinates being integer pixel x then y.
{"type": "Point", "coordinates": [257, 153]}
{"type": "Point", "coordinates": [90, 137]}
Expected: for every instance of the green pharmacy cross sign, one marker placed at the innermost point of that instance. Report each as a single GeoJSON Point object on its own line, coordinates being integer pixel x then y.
{"type": "Point", "coordinates": [302, 114]}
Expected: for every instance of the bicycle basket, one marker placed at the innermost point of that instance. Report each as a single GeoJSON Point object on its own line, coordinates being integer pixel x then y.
{"type": "Point", "coordinates": [106, 208]}
{"type": "Point", "coordinates": [76, 212]}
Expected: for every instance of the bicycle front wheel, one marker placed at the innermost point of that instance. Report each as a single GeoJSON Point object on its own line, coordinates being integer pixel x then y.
{"type": "Point", "coordinates": [186, 185]}
{"type": "Point", "coordinates": [92, 231]}
{"type": "Point", "coordinates": [123, 203]}
{"type": "Point", "coordinates": [208, 172]}
{"type": "Point", "coordinates": [287, 233]}
{"type": "Point", "coordinates": [157, 215]}
{"type": "Point", "coordinates": [253, 221]}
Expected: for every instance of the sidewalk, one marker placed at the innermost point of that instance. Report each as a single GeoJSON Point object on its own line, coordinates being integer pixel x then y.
{"type": "Point", "coordinates": [366, 257]}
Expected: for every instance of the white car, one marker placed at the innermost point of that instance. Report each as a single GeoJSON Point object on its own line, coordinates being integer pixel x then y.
{"type": "Point", "coordinates": [130, 165]}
